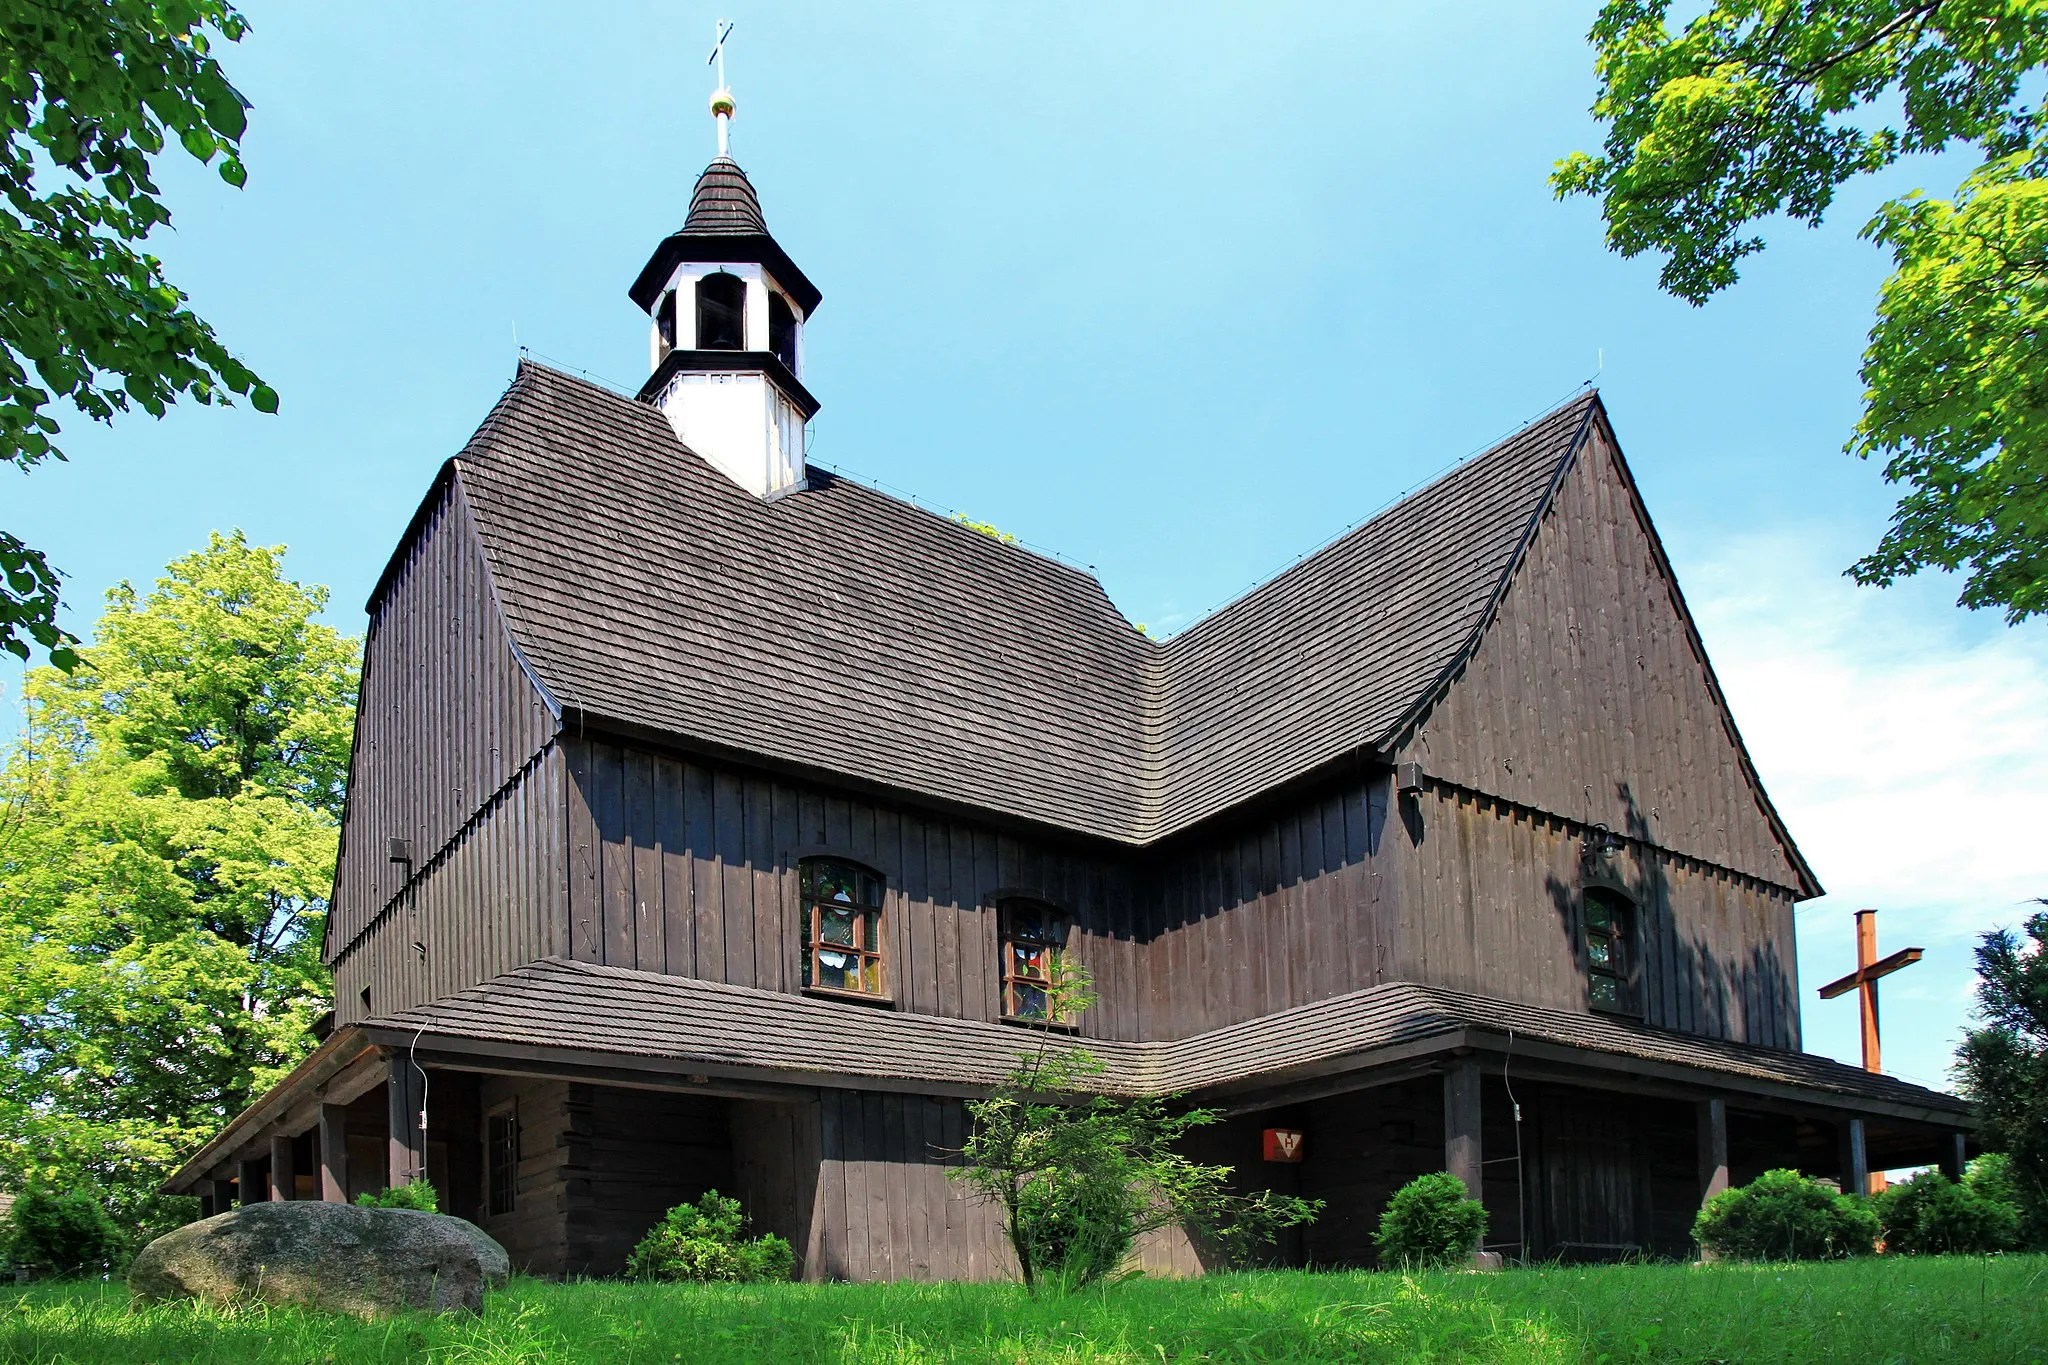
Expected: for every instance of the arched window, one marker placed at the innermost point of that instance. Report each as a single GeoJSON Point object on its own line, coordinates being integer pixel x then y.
{"type": "Point", "coordinates": [1610, 936]}
{"type": "Point", "coordinates": [721, 313]}
{"type": "Point", "coordinates": [842, 926]}
{"type": "Point", "coordinates": [1032, 933]}
{"type": "Point", "coordinates": [782, 329]}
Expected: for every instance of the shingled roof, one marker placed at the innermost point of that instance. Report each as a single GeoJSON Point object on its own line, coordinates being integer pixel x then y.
{"type": "Point", "coordinates": [847, 631]}
{"type": "Point", "coordinates": [724, 202]}
{"type": "Point", "coordinates": [708, 1026]}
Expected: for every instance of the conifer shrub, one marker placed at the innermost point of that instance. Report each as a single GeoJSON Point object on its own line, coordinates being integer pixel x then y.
{"type": "Point", "coordinates": [1931, 1215]}
{"type": "Point", "coordinates": [67, 1233]}
{"type": "Point", "coordinates": [703, 1241]}
{"type": "Point", "coordinates": [417, 1195]}
{"type": "Point", "coordinates": [1431, 1221]}
{"type": "Point", "coordinates": [1785, 1216]}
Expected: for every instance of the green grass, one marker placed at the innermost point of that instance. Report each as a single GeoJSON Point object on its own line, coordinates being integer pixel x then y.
{"type": "Point", "coordinates": [1870, 1311]}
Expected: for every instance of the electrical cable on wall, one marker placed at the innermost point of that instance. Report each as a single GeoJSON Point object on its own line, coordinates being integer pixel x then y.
{"type": "Point", "coordinates": [419, 1172]}
{"type": "Point", "coordinates": [1521, 1185]}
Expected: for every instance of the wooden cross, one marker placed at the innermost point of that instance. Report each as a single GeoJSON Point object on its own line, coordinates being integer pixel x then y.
{"type": "Point", "coordinates": [1865, 978]}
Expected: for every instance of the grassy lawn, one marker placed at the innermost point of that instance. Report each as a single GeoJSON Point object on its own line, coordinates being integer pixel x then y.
{"type": "Point", "coordinates": [1879, 1310]}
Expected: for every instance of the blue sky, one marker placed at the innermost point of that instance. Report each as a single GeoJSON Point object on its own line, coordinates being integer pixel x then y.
{"type": "Point", "coordinates": [1175, 291]}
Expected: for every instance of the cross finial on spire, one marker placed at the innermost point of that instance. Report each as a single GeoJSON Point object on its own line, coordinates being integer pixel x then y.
{"type": "Point", "coordinates": [721, 98]}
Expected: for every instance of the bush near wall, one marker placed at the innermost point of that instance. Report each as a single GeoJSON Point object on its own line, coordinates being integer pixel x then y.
{"type": "Point", "coordinates": [1932, 1215]}
{"type": "Point", "coordinates": [703, 1242]}
{"type": "Point", "coordinates": [1785, 1216]}
{"type": "Point", "coordinates": [1431, 1221]}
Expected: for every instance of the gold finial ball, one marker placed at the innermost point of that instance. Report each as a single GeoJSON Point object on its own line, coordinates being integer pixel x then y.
{"type": "Point", "coordinates": [721, 103]}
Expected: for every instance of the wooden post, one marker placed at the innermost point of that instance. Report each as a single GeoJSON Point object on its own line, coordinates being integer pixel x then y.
{"type": "Point", "coordinates": [1954, 1156]}
{"type": "Point", "coordinates": [407, 1145]}
{"type": "Point", "coordinates": [334, 1153]}
{"type": "Point", "coordinates": [1855, 1159]}
{"type": "Point", "coordinates": [250, 1186]}
{"type": "Point", "coordinates": [283, 1183]}
{"type": "Point", "coordinates": [1713, 1138]}
{"type": "Point", "coordinates": [1461, 1123]}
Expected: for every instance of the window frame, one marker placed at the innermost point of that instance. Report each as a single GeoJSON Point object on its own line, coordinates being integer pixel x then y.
{"type": "Point", "coordinates": [501, 1181]}
{"type": "Point", "coordinates": [873, 916]}
{"type": "Point", "coordinates": [705, 298]}
{"type": "Point", "coordinates": [1008, 909]}
{"type": "Point", "coordinates": [782, 329]}
{"type": "Point", "coordinates": [665, 319]}
{"type": "Point", "coordinates": [1620, 932]}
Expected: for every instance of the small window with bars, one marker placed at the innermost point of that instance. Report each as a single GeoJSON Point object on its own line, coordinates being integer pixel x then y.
{"type": "Point", "coordinates": [842, 927]}
{"type": "Point", "coordinates": [501, 1160]}
{"type": "Point", "coordinates": [1033, 935]}
{"type": "Point", "coordinates": [1610, 950]}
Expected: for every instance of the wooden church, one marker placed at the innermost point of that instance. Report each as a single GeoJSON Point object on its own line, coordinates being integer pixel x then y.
{"type": "Point", "coordinates": [711, 818]}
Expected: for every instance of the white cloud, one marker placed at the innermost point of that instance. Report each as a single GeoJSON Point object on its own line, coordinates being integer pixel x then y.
{"type": "Point", "coordinates": [1906, 744]}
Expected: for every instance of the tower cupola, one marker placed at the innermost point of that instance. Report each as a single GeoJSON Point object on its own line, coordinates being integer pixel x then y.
{"type": "Point", "coordinates": [728, 309]}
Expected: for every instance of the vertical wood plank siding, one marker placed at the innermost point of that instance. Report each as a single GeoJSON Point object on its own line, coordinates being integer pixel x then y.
{"type": "Point", "coordinates": [886, 1208]}
{"type": "Point", "coordinates": [492, 900]}
{"type": "Point", "coordinates": [1589, 697]}
{"type": "Point", "coordinates": [445, 718]}
{"type": "Point", "coordinates": [1496, 892]}
{"type": "Point", "coordinates": [1269, 914]}
{"type": "Point", "coordinates": [690, 868]}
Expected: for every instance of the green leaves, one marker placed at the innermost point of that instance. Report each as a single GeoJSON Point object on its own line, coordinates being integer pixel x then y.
{"type": "Point", "coordinates": [168, 824]}
{"type": "Point", "coordinates": [1081, 1177]}
{"type": "Point", "coordinates": [2003, 1064]}
{"type": "Point", "coordinates": [92, 87]}
{"type": "Point", "coordinates": [1956, 389]}
{"type": "Point", "coordinates": [1762, 108]}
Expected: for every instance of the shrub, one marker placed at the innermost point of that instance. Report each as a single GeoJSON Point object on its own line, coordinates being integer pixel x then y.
{"type": "Point", "coordinates": [68, 1234]}
{"type": "Point", "coordinates": [1991, 1175]}
{"type": "Point", "coordinates": [1784, 1216]}
{"type": "Point", "coordinates": [1931, 1215]}
{"type": "Point", "coordinates": [1080, 1176]}
{"type": "Point", "coordinates": [701, 1241]}
{"type": "Point", "coordinates": [418, 1195]}
{"type": "Point", "coordinates": [1431, 1221]}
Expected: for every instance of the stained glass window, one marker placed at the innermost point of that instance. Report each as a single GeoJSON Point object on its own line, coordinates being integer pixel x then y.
{"type": "Point", "coordinates": [1609, 934]}
{"type": "Point", "coordinates": [1032, 933]}
{"type": "Point", "coordinates": [843, 926]}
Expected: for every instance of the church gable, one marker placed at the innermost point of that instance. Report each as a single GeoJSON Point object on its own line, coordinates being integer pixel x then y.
{"type": "Point", "coordinates": [447, 713]}
{"type": "Point", "coordinates": [1589, 695]}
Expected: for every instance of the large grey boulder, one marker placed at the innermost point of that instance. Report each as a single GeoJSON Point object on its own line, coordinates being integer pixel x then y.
{"type": "Point", "coordinates": [369, 1262]}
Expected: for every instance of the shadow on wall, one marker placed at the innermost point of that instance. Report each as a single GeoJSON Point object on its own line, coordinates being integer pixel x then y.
{"type": "Point", "coordinates": [1680, 981]}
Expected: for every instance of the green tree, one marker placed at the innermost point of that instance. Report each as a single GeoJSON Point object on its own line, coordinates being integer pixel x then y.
{"type": "Point", "coordinates": [1081, 1176]}
{"type": "Point", "coordinates": [91, 91]}
{"type": "Point", "coordinates": [168, 826]}
{"type": "Point", "coordinates": [2003, 1065]}
{"type": "Point", "coordinates": [1759, 108]}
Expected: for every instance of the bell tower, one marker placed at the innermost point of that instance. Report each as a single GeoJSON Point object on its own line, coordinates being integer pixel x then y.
{"type": "Point", "coordinates": [728, 308]}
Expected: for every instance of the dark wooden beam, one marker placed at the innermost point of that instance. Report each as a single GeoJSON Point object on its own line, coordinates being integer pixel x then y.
{"type": "Point", "coordinates": [1462, 1155]}
{"type": "Point", "coordinates": [1954, 1156]}
{"type": "Point", "coordinates": [1712, 1116]}
{"type": "Point", "coordinates": [1855, 1158]}
{"type": "Point", "coordinates": [250, 1185]}
{"type": "Point", "coordinates": [282, 1176]}
{"type": "Point", "coordinates": [405, 1102]}
{"type": "Point", "coordinates": [1639, 1075]}
{"type": "Point", "coordinates": [334, 1153]}
{"type": "Point", "coordinates": [1323, 1089]}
